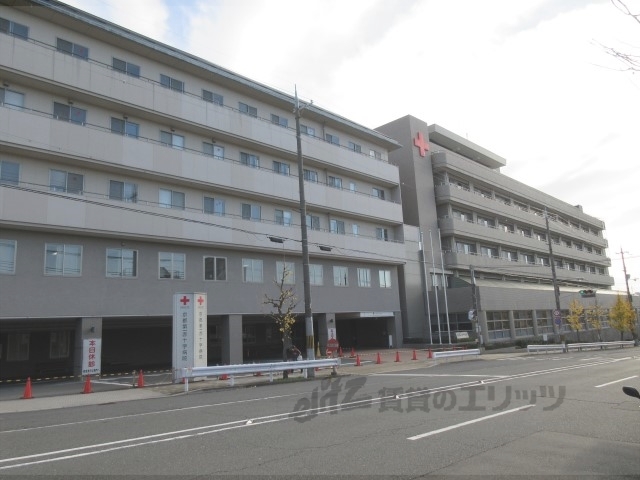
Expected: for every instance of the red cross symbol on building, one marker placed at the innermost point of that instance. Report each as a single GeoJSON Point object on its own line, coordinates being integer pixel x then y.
{"type": "Point", "coordinates": [184, 300]}
{"type": "Point", "coordinates": [421, 143]}
{"type": "Point", "coordinates": [200, 300]}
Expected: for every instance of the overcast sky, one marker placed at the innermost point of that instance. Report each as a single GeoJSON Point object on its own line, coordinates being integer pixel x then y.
{"type": "Point", "coordinates": [528, 80]}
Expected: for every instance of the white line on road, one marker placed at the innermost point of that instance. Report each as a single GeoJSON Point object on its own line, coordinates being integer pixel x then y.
{"type": "Point", "coordinates": [616, 381]}
{"type": "Point", "coordinates": [435, 375]}
{"type": "Point", "coordinates": [463, 424]}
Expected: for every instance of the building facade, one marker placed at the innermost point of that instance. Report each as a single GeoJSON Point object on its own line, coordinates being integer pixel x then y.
{"type": "Point", "coordinates": [131, 171]}
{"type": "Point", "coordinates": [489, 230]}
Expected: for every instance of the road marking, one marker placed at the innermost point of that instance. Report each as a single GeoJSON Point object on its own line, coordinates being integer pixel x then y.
{"type": "Point", "coordinates": [616, 381]}
{"type": "Point", "coordinates": [435, 375]}
{"type": "Point", "coordinates": [464, 424]}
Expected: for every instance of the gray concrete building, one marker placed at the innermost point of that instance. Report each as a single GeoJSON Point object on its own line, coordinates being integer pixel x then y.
{"type": "Point", "coordinates": [487, 228]}
{"type": "Point", "coordinates": [131, 171]}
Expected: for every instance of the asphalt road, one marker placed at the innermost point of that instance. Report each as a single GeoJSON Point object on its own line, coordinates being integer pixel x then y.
{"type": "Point", "coordinates": [525, 415]}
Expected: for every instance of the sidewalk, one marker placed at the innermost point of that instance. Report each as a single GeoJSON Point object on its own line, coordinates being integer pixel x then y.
{"type": "Point", "coordinates": [68, 394]}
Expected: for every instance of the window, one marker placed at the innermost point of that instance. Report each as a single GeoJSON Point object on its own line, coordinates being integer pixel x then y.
{"type": "Point", "coordinates": [172, 140]}
{"type": "Point", "coordinates": [364, 277]}
{"type": "Point", "coordinates": [378, 192]}
{"type": "Point", "coordinates": [510, 255]}
{"type": "Point", "coordinates": [59, 344]}
{"type": "Point", "coordinates": [251, 270]}
{"type": "Point", "coordinates": [315, 274]}
{"type": "Point", "coordinates": [124, 127]}
{"type": "Point", "coordinates": [335, 182]}
{"type": "Point", "coordinates": [498, 325]}
{"type": "Point", "coordinates": [355, 229]}
{"type": "Point", "coordinates": [505, 227]}
{"type": "Point", "coordinates": [9, 98]}
{"type": "Point", "coordinates": [337, 226]}
{"type": "Point", "coordinates": [172, 265]}
{"type": "Point", "coordinates": [313, 222]}
{"type": "Point", "coordinates": [13, 28]}
{"type": "Point", "coordinates": [214, 206]}
{"type": "Point", "coordinates": [215, 151]}
{"type": "Point", "coordinates": [385, 278]}
{"type": "Point", "coordinates": [17, 347]}
{"type": "Point", "coordinates": [72, 49]}
{"type": "Point", "coordinates": [487, 222]}
{"type": "Point", "coordinates": [283, 217]}
{"type": "Point", "coordinates": [251, 212]}
{"type": "Point", "coordinates": [545, 322]}
{"type": "Point", "coordinates": [171, 199]}
{"type": "Point", "coordinates": [486, 251]}
{"type": "Point", "coordinates": [332, 138]}
{"type": "Point", "coordinates": [289, 270]}
{"type": "Point", "coordinates": [247, 110]}
{"type": "Point", "coordinates": [278, 120]}
{"type": "Point", "coordinates": [7, 257]}
{"type": "Point", "coordinates": [308, 130]}
{"type": "Point", "coordinates": [375, 154]}
{"type": "Point", "coordinates": [127, 192]}
{"type": "Point", "coordinates": [168, 82]}
{"type": "Point", "coordinates": [355, 147]}
{"type": "Point", "coordinates": [525, 232]}
{"type": "Point", "coordinates": [215, 268]}
{"type": "Point", "coordinates": [523, 322]}
{"type": "Point", "coordinates": [352, 187]}
{"type": "Point", "coordinates": [382, 234]}
{"type": "Point", "coordinates": [529, 258]}
{"type": "Point", "coordinates": [543, 261]}
{"type": "Point", "coordinates": [464, 216]}
{"type": "Point", "coordinates": [311, 175]}
{"type": "Point", "coordinates": [63, 260]}
{"type": "Point", "coordinates": [541, 237]}
{"type": "Point", "coordinates": [340, 276]}
{"type": "Point", "coordinates": [61, 181]}
{"type": "Point", "coordinates": [122, 263]}
{"type": "Point", "coordinates": [468, 248]}
{"type": "Point", "coordinates": [252, 161]}
{"type": "Point", "coordinates": [9, 172]}
{"type": "Point", "coordinates": [281, 168]}
{"type": "Point", "coordinates": [69, 113]}
{"type": "Point", "coordinates": [216, 98]}
{"type": "Point", "coordinates": [126, 67]}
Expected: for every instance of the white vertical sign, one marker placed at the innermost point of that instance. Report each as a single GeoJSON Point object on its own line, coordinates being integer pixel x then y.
{"type": "Point", "coordinates": [189, 331]}
{"type": "Point", "coordinates": [91, 356]}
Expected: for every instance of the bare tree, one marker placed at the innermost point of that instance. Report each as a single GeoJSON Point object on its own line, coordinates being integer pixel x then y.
{"type": "Point", "coordinates": [283, 306]}
{"type": "Point", "coordinates": [630, 62]}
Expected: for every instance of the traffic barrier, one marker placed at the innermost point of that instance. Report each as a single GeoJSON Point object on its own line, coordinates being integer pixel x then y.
{"type": "Point", "coordinates": [27, 390]}
{"type": "Point", "coordinates": [414, 356]}
{"type": "Point", "coordinates": [87, 385]}
{"type": "Point", "coordinates": [358, 364]}
{"type": "Point", "coordinates": [397, 356]}
{"type": "Point", "coordinates": [378, 360]}
{"type": "Point", "coordinates": [140, 379]}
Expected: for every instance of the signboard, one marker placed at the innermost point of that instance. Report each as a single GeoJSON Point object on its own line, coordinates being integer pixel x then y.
{"type": "Point", "coordinates": [189, 331]}
{"type": "Point", "coordinates": [91, 356]}
{"type": "Point", "coordinates": [462, 335]}
{"type": "Point", "coordinates": [557, 317]}
{"type": "Point", "coordinates": [332, 342]}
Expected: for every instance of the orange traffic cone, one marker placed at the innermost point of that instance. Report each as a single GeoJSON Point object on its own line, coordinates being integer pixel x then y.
{"type": "Point", "coordinates": [27, 390]}
{"type": "Point", "coordinates": [378, 360]}
{"type": "Point", "coordinates": [429, 354]}
{"type": "Point", "coordinates": [87, 385]}
{"type": "Point", "coordinates": [414, 356]}
{"type": "Point", "coordinates": [353, 352]}
{"type": "Point", "coordinates": [397, 356]}
{"type": "Point", "coordinates": [224, 376]}
{"type": "Point", "coordinates": [358, 361]}
{"type": "Point", "coordinates": [140, 380]}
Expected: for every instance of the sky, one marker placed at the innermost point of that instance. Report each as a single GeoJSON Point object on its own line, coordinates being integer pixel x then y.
{"type": "Point", "coordinates": [529, 80]}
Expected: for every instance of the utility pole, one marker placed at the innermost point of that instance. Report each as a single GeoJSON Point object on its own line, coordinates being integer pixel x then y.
{"type": "Point", "coordinates": [308, 316]}
{"type": "Point", "coordinates": [426, 286]}
{"type": "Point", "coordinates": [626, 278]}
{"type": "Point", "coordinates": [556, 289]}
{"type": "Point", "coordinates": [474, 305]}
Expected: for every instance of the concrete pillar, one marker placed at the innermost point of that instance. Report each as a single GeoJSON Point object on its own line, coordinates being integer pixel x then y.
{"type": "Point", "coordinates": [484, 331]}
{"type": "Point", "coordinates": [394, 327]}
{"type": "Point", "coordinates": [512, 325]}
{"type": "Point", "coordinates": [232, 339]}
{"type": "Point", "coordinates": [535, 323]}
{"type": "Point", "coordinates": [86, 327]}
{"type": "Point", "coordinates": [325, 322]}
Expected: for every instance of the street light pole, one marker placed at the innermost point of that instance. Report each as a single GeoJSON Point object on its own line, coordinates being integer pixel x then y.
{"type": "Point", "coordinates": [308, 316]}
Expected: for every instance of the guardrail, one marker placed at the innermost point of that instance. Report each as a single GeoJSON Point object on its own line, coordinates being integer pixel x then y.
{"type": "Point", "coordinates": [455, 353]}
{"type": "Point", "coordinates": [579, 346]}
{"type": "Point", "coordinates": [253, 368]}
{"type": "Point", "coordinates": [599, 345]}
{"type": "Point", "coordinates": [545, 348]}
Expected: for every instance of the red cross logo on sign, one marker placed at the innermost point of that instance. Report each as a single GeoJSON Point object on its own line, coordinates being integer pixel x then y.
{"type": "Point", "coordinates": [200, 301]}
{"type": "Point", "coordinates": [184, 300]}
{"type": "Point", "coordinates": [421, 143]}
